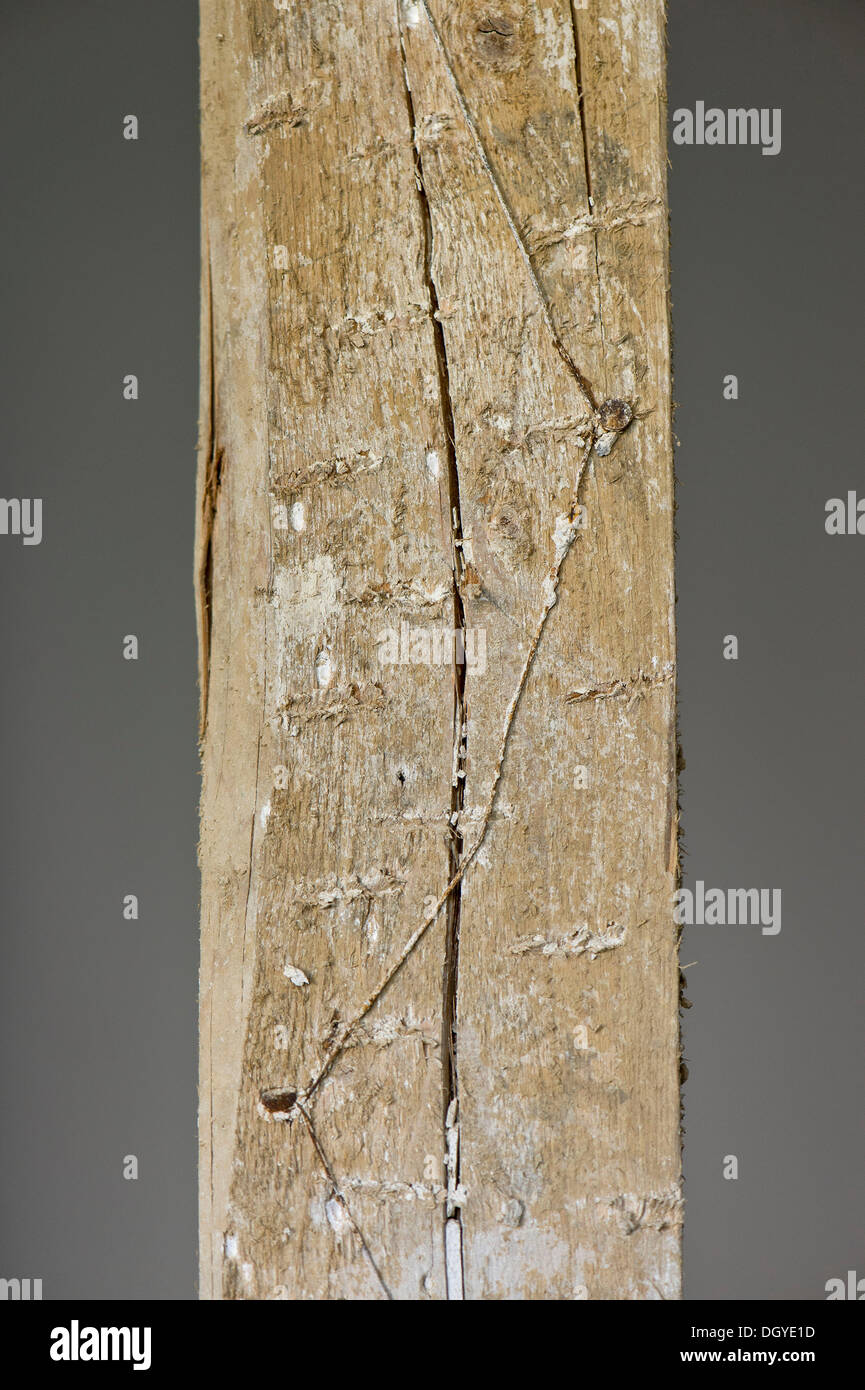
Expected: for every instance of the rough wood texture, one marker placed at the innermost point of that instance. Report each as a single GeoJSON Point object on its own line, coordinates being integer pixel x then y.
{"type": "Point", "coordinates": [435, 243]}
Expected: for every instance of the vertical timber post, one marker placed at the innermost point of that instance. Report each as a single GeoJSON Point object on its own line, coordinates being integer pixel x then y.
{"type": "Point", "coordinates": [434, 569]}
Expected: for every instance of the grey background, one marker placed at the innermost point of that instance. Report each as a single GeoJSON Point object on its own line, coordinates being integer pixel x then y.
{"type": "Point", "coordinates": [99, 241]}
{"type": "Point", "coordinates": [767, 284]}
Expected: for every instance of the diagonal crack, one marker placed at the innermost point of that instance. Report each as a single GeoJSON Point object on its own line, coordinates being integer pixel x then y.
{"type": "Point", "coordinates": [339, 1195]}
{"type": "Point", "coordinates": [520, 240]}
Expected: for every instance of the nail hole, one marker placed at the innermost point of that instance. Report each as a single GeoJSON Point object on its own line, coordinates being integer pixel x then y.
{"type": "Point", "coordinates": [278, 1102]}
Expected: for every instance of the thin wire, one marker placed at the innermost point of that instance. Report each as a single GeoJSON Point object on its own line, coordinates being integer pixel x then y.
{"type": "Point", "coordinates": [420, 931]}
{"type": "Point", "coordinates": [585, 387]}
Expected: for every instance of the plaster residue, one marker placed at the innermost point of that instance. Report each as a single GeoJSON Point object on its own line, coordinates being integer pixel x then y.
{"type": "Point", "coordinates": [580, 941]}
{"type": "Point", "coordinates": [556, 57]}
{"type": "Point", "coordinates": [306, 601]}
{"type": "Point", "coordinates": [307, 597]}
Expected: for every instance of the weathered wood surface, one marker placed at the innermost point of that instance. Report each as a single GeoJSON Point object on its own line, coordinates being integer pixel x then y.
{"type": "Point", "coordinates": [424, 223]}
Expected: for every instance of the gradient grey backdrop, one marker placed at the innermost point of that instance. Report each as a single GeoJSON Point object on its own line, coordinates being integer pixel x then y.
{"type": "Point", "coordinates": [99, 245]}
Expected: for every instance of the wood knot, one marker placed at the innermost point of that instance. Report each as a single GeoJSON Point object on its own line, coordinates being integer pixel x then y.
{"type": "Point", "coordinates": [496, 38]}
{"type": "Point", "coordinates": [510, 529]}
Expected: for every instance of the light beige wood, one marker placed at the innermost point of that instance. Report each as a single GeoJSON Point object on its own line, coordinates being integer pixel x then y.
{"type": "Point", "coordinates": [439, 993]}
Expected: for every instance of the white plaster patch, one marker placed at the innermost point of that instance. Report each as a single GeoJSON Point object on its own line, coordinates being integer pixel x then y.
{"type": "Point", "coordinates": [307, 596]}
{"type": "Point", "coordinates": [563, 533]}
{"type": "Point", "coordinates": [323, 669]}
{"type": "Point", "coordinates": [337, 1217]}
{"type": "Point", "coordinates": [556, 56]}
{"type": "Point", "coordinates": [454, 1258]}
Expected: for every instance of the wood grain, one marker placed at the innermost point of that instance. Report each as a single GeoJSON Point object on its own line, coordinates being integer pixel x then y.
{"type": "Point", "coordinates": [435, 240]}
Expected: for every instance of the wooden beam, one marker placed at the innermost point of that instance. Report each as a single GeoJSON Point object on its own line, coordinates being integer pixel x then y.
{"type": "Point", "coordinates": [435, 573]}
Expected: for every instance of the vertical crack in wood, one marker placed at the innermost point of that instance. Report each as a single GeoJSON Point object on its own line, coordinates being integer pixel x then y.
{"type": "Point", "coordinates": [581, 106]}
{"type": "Point", "coordinates": [581, 117]}
{"type": "Point", "coordinates": [450, 973]}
